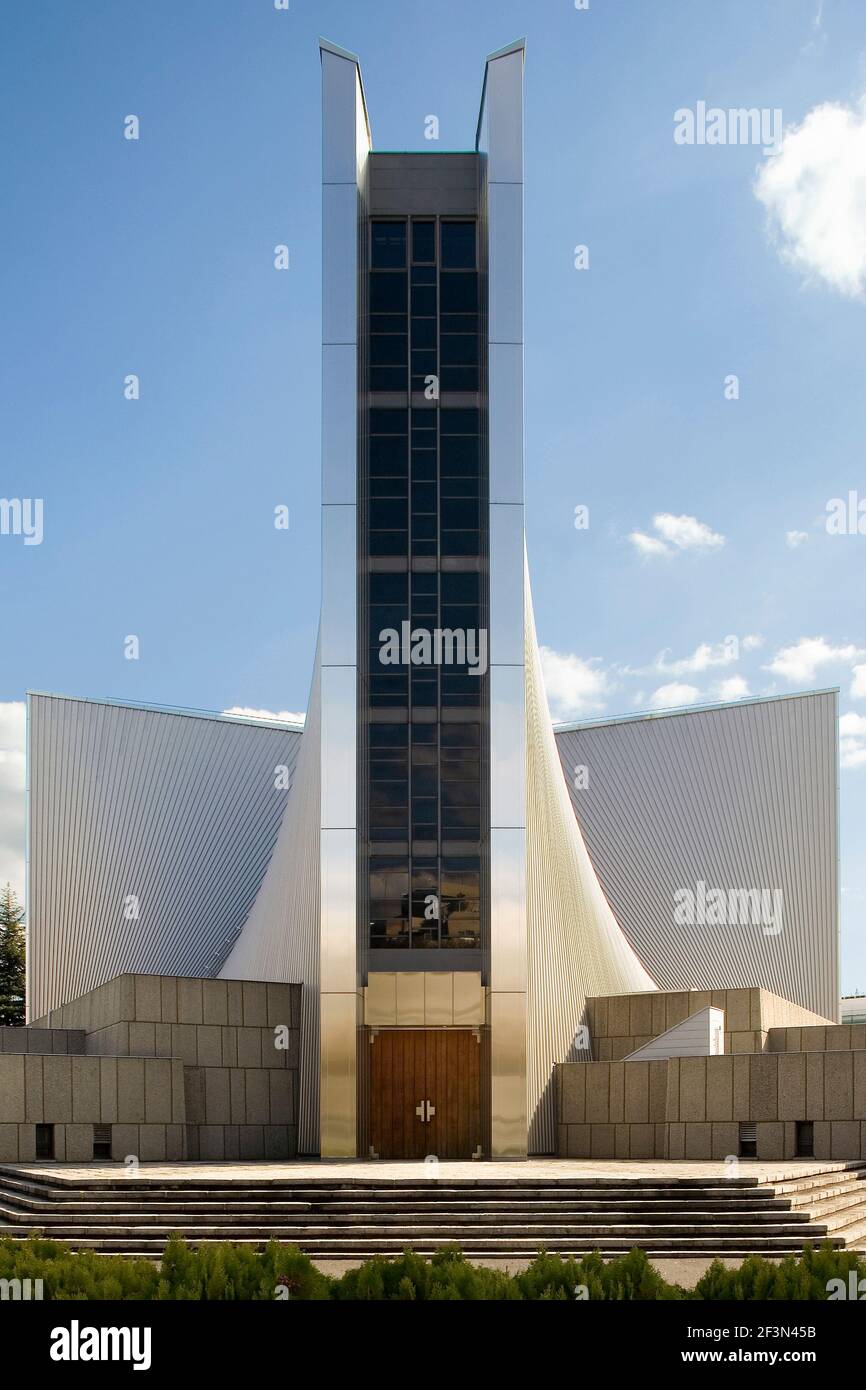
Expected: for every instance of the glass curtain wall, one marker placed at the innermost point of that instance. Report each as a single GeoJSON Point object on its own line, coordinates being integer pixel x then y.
{"type": "Point", "coordinates": [424, 544]}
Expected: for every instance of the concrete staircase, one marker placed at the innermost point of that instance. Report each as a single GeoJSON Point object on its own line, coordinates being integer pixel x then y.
{"type": "Point", "coordinates": [836, 1200]}
{"type": "Point", "coordinates": [336, 1218]}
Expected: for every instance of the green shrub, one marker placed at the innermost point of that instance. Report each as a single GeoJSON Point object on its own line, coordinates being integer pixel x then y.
{"type": "Point", "coordinates": [802, 1279]}
{"type": "Point", "coordinates": [627, 1277]}
{"type": "Point", "coordinates": [229, 1273]}
{"type": "Point", "coordinates": [84, 1275]}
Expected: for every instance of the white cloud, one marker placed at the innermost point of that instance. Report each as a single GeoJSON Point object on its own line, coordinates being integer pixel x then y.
{"type": "Point", "coordinates": [814, 190]}
{"type": "Point", "coordinates": [575, 688]}
{"type": "Point", "coordinates": [858, 683]}
{"type": "Point", "coordinates": [676, 533]}
{"type": "Point", "coordinates": [686, 532]}
{"type": "Point", "coordinates": [284, 716]}
{"type": "Point", "coordinates": [733, 688]}
{"type": "Point", "coordinates": [752, 641]}
{"type": "Point", "coordinates": [648, 545]}
{"type": "Point", "coordinates": [795, 538]}
{"type": "Point", "coordinates": [12, 727]}
{"type": "Point", "coordinates": [852, 740]}
{"type": "Point", "coordinates": [705, 655]}
{"type": "Point", "coordinates": [673, 694]}
{"type": "Point", "coordinates": [801, 661]}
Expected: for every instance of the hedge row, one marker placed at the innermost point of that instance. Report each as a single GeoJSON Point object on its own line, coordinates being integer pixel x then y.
{"type": "Point", "coordinates": [240, 1272]}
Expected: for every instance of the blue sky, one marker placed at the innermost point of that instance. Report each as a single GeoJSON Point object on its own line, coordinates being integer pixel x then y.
{"type": "Point", "coordinates": [155, 257]}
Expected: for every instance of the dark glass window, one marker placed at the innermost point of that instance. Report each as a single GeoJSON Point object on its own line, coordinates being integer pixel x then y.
{"type": "Point", "coordinates": [392, 543]}
{"type": "Point", "coordinates": [389, 902]}
{"type": "Point", "coordinates": [423, 497]}
{"type": "Point", "coordinates": [389, 456]}
{"type": "Point", "coordinates": [460, 587]}
{"type": "Point", "coordinates": [459, 349]}
{"type": "Point", "coordinates": [389, 736]}
{"type": "Point", "coordinates": [424, 334]}
{"type": "Point", "coordinates": [388, 245]}
{"type": "Point", "coordinates": [387, 690]}
{"type": "Point", "coordinates": [423, 241]}
{"type": "Point", "coordinates": [459, 294]}
{"type": "Point", "coordinates": [387, 295]}
{"type": "Point", "coordinates": [423, 304]}
{"type": "Point", "coordinates": [423, 464]}
{"type": "Point", "coordinates": [388, 349]}
{"type": "Point", "coordinates": [425, 903]}
{"type": "Point", "coordinates": [394, 421]}
{"type": "Point", "coordinates": [459, 456]}
{"type": "Point", "coordinates": [458, 513]}
{"type": "Point", "coordinates": [390, 487]}
{"type": "Point", "coordinates": [462, 736]}
{"type": "Point", "coordinates": [389, 588]}
{"type": "Point", "coordinates": [424, 502]}
{"type": "Point", "coordinates": [461, 903]}
{"type": "Point", "coordinates": [458, 245]}
{"type": "Point", "coordinates": [390, 513]}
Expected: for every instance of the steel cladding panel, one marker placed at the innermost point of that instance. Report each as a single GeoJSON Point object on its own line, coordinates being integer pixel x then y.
{"type": "Point", "coordinates": [742, 798]}
{"type": "Point", "coordinates": [500, 144]}
{"type": "Point", "coordinates": [149, 833]}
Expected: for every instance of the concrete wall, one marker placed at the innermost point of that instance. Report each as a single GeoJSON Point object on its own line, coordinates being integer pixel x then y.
{"type": "Point", "coordinates": [142, 1098]}
{"type": "Point", "coordinates": [611, 1109]}
{"type": "Point", "coordinates": [68, 1040]}
{"type": "Point", "coordinates": [233, 1045]}
{"type": "Point", "coordinates": [691, 1107]}
{"type": "Point", "coordinates": [620, 1024]}
{"type": "Point", "coordinates": [835, 1038]}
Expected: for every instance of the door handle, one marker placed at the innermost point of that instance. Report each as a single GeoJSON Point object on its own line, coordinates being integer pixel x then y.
{"type": "Point", "coordinates": [425, 1111]}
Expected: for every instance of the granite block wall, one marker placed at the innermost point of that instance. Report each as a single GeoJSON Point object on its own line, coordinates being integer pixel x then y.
{"type": "Point", "coordinates": [142, 1099]}
{"type": "Point", "coordinates": [692, 1107]}
{"type": "Point", "coordinates": [178, 1067]}
{"type": "Point", "coordinates": [619, 1024]}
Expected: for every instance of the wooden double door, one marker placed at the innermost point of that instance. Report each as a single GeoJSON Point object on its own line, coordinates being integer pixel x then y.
{"type": "Point", "coordinates": [425, 1087]}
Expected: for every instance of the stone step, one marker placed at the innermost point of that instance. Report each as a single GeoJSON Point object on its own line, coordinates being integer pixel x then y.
{"type": "Point", "coordinates": [844, 1216]}
{"type": "Point", "coordinates": [854, 1235]}
{"type": "Point", "coordinates": [138, 1179]}
{"type": "Point", "coordinates": [810, 1200]}
{"type": "Point", "coordinates": [434, 1193]}
{"type": "Point", "coordinates": [58, 1182]}
{"type": "Point", "coordinates": [851, 1173]}
{"type": "Point", "coordinates": [446, 1232]}
{"type": "Point", "coordinates": [842, 1202]}
{"type": "Point", "coordinates": [54, 1211]}
{"type": "Point", "coordinates": [406, 1220]}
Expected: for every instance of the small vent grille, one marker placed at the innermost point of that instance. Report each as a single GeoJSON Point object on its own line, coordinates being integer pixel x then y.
{"type": "Point", "coordinates": [748, 1141]}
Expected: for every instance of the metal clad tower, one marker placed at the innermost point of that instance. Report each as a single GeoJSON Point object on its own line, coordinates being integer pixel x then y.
{"type": "Point", "coordinates": [426, 1040]}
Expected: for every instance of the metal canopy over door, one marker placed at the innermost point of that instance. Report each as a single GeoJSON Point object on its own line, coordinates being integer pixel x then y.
{"type": "Point", "coordinates": [426, 1093]}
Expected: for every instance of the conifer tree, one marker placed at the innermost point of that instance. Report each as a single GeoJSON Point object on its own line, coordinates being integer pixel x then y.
{"type": "Point", "coordinates": [12, 977]}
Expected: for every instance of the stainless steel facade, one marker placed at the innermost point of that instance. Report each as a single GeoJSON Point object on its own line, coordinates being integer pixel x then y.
{"type": "Point", "coordinates": [740, 797]}
{"type": "Point", "coordinates": [149, 832]}
{"type": "Point", "coordinates": [500, 144]}
{"type": "Point", "coordinates": [345, 149]}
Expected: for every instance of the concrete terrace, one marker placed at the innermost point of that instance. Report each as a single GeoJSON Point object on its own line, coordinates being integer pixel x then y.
{"type": "Point", "coordinates": [381, 1171]}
